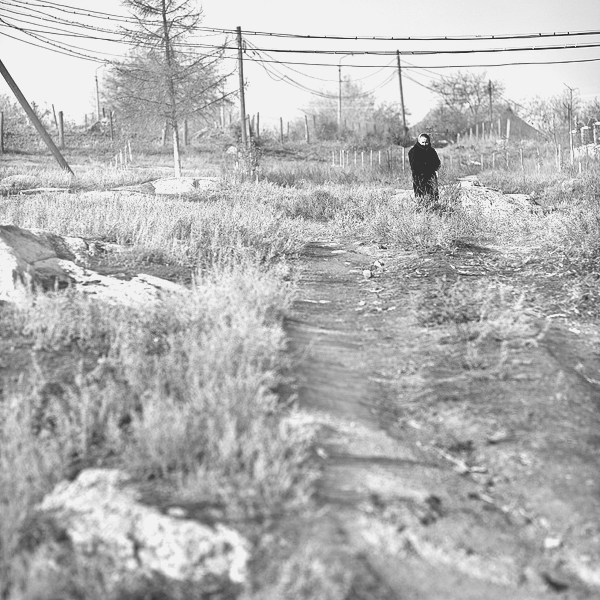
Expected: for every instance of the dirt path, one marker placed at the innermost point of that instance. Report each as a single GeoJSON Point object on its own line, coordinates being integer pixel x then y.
{"type": "Point", "coordinates": [452, 467]}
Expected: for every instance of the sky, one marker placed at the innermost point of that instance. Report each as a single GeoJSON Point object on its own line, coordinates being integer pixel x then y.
{"type": "Point", "coordinates": [68, 82]}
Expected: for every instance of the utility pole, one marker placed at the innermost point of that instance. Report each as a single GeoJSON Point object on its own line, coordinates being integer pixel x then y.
{"type": "Point", "coordinates": [405, 128]}
{"type": "Point", "coordinates": [98, 115]}
{"type": "Point", "coordinates": [570, 119]}
{"type": "Point", "coordinates": [34, 119]}
{"type": "Point", "coordinates": [490, 89]}
{"type": "Point", "coordinates": [242, 97]}
{"type": "Point", "coordinates": [339, 97]}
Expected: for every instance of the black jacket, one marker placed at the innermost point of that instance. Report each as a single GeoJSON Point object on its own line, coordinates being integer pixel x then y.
{"type": "Point", "coordinates": [424, 161]}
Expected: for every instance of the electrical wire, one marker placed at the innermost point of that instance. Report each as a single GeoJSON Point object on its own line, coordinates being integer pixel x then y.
{"type": "Point", "coordinates": [488, 37]}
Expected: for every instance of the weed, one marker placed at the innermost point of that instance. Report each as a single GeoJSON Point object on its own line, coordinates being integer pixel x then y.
{"type": "Point", "coordinates": [180, 392]}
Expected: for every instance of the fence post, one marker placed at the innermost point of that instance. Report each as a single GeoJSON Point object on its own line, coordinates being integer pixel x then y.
{"type": "Point", "coordinates": [521, 159]}
{"type": "Point", "coordinates": [507, 159]}
{"type": "Point", "coordinates": [404, 158]}
{"type": "Point", "coordinates": [341, 158]}
{"type": "Point", "coordinates": [185, 132]}
{"type": "Point", "coordinates": [333, 158]}
{"type": "Point", "coordinates": [559, 157]}
{"type": "Point", "coordinates": [355, 157]}
{"type": "Point", "coordinates": [281, 129]}
{"type": "Point", "coordinates": [379, 157]}
{"type": "Point", "coordinates": [482, 162]}
{"type": "Point", "coordinates": [1, 133]}
{"type": "Point", "coordinates": [507, 130]}
{"type": "Point", "coordinates": [371, 158]}
{"type": "Point", "coordinates": [306, 129]}
{"type": "Point", "coordinates": [112, 129]}
{"type": "Point", "coordinates": [61, 130]}
{"type": "Point", "coordinates": [493, 160]}
{"type": "Point", "coordinates": [130, 152]}
{"type": "Point", "coordinates": [362, 159]}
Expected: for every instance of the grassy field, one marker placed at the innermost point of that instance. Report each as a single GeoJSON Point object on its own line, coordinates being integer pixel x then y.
{"type": "Point", "coordinates": [185, 393]}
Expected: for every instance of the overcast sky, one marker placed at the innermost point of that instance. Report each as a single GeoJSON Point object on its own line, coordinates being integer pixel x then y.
{"type": "Point", "coordinates": [68, 82]}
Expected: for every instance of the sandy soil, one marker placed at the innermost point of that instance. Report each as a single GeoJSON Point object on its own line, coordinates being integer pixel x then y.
{"type": "Point", "coordinates": [450, 470]}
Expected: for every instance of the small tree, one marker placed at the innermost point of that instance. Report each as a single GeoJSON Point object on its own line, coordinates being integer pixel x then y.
{"type": "Point", "coordinates": [465, 96]}
{"type": "Point", "coordinates": [162, 76]}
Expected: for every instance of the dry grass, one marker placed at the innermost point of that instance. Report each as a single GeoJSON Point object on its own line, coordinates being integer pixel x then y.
{"type": "Point", "coordinates": [181, 393]}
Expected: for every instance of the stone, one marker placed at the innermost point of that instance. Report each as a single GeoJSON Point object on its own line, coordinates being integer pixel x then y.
{"type": "Point", "coordinates": [45, 261]}
{"type": "Point", "coordinates": [103, 517]}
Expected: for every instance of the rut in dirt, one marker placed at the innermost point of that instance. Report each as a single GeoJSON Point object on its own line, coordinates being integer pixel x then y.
{"type": "Point", "coordinates": [412, 486]}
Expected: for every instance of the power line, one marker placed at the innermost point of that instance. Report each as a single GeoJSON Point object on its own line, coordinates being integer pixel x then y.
{"type": "Point", "coordinates": [428, 52]}
{"type": "Point", "coordinates": [488, 37]}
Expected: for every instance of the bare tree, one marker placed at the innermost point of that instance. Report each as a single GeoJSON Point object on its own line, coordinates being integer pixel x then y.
{"type": "Point", "coordinates": [467, 95]}
{"type": "Point", "coordinates": [163, 75]}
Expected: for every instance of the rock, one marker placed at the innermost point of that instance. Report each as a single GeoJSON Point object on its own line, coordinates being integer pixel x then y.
{"type": "Point", "coordinates": [44, 261]}
{"type": "Point", "coordinates": [104, 519]}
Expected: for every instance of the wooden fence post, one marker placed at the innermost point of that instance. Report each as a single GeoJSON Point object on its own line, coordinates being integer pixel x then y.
{"type": "Point", "coordinates": [185, 132]}
{"type": "Point", "coordinates": [559, 157]}
{"type": "Point", "coordinates": [333, 158]}
{"type": "Point", "coordinates": [306, 129]}
{"type": "Point", "coordinates": [112, 128]}
{"type": "Point", "coordinates": [1, 133]}
{"type": "Point", "coordinates": [257, 124]}
{"type": "Point", "coordinates": [521, 159]}
{"type": "Point", "coordinates": [281, 129]}
{"type": "Point", "coordinates": [493, 160]}
{"type": "Point", "coordinates": [507, 130]}
{"type": "Point", "coordinates": [371, 158]}
{"type": "Point", "coordinates": [404, 158]}
{"type": "Point", "coordinates": [61, 130]}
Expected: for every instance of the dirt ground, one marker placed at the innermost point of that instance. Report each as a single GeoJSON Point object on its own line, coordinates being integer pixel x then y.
{"type": "Point", "coordinates": [451, 470]}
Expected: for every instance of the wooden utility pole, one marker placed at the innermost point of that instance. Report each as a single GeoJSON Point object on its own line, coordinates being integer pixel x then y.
{"type": "Point", "coordinates": [61, 129]}
{"type": "Point", "coordinates": [257, 124]}
{"type": "Point", "coordinates": [339, 115]}
{"type": "Point", "coordinates": [281, 129]}
{"type": "Point", "coordinates": [34, 119]}
{"type": "Point", "coordinates": [306, 129]}
{"type": "Point", "coordinates": [242, 96]}
{"type": "Point", "coordinates": [490, 89]}
{"type": "Point", "coordinates": [404, 127]}
{"type": "Point", "coordinates": [570, 118]}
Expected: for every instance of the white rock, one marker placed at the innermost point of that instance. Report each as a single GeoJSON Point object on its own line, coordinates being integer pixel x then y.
{"type": "Point", "coordinates": [103, 517]}
{"type": "Point", "coordinates": [44, 261]}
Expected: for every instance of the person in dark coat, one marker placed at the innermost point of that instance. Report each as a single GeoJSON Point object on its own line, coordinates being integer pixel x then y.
{"type": "Point", "coordinates": [424, 163]}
